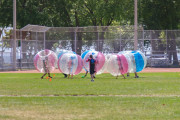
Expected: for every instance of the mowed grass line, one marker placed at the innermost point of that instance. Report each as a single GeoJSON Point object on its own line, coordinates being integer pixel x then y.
{"type": "Point", "coordinates": [88, 108]}
{"type": "Point", "coordinates": [105, 84]}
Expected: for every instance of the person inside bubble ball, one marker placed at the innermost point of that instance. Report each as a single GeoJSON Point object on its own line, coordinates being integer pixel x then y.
{"type": "Point", "coordinates": [135, 73]}
{"type": "Point", "coordinates": [70, 67]}
{"type": "Point", "coordinates": [120, 67]}
{"type": "Point", "coordinates": [85, 73]}
{"type": "Point", "coordinates": [92, 67]}
{"type": "Point", "coordinates": [45, 68]}
{"type": "Point", "coordinates": [65, 75]}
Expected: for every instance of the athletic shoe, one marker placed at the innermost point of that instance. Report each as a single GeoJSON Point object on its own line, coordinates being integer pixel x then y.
{"type": "Point", "coordinates": [92, 80]}
{"type": "Point", "coordinates": [83, 76]}
{"type": "Point", "coordinates": [136, 76]}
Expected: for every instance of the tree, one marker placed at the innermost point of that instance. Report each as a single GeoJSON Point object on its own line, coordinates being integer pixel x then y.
{"type": "Point", "coordinates": [96, 13]}
{"type": "Point", "coordinates": [153, 14]}
{"type": "Point", "coordinates": [159, 15]}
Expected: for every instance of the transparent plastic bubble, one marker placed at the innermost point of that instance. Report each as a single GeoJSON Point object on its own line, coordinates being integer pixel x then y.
{"type": "Point", "coordinates": [139, 60]}
{"type": "Point", "coordinates": [104, 68]}
{"type": "Point", "coordinates": [70, 63]}
{"type": "Point", "coordinates": [45, 61]}
{"type": "Point", "coordinates": [84, 53]}
{"type": "Point", "coordinates": [136, 60]}
{"type": "Point", "coordinates": [131, 61]}
{"type": "Point", "coordinates": [62, 51]}
{"type": "Point", "coordinates": [144, 58]}
{"type": "Point", "coordinates": [82, 56]}
{"type": "Point", "coordinates": [98, 56]}
{"type": "Point", "coordinates": [117, 64]}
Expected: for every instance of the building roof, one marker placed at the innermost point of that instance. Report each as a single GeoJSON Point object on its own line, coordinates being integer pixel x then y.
{"type": "Point", "coordinates": [35, 28]}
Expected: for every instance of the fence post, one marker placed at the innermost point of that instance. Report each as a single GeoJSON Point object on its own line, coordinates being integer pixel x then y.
{"type": "Point", "coordinates": [135, 26]}
{"type": "Point", "coordinates": [44, 41]}
{"type": "Point", "coordinates": [151, 46]}
{"type": "Point", "coordinates": [98, 42]}
{"type": "Point", "coordinates": [75, 39]}
{"type": "Point", "coordinates": [36, 44]}
{"type": "Point", "coordinates": [120, 42]}
{"type": "Point", "coordinates": [166, 43]}
{"type": "Point", "coordinates": [2, 54]}
{"type": "Point", "coordinates": [21, 49]}
{"type": "Point", "coordinates": [143, 40]}
{"type": "Point", "coordinates": [14, 35]}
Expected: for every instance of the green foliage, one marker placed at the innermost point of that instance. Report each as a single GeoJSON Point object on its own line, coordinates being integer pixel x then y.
{"type": "Point", "coordinates": [6, 12]}
{"type": "Point", "coordinates": [5, 36]}
{"type": "Point", "coordinates": [160, 14]}
{"type": "Point", "coordinates": [64, 12]}
{"type": "Point", "coordinates": [153, 14]}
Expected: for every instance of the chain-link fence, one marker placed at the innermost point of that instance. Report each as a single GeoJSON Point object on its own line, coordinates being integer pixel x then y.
{"type": "Point", "coordinates": [161, 47]}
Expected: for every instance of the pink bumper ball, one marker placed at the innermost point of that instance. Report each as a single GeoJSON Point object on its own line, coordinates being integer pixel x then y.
{"type": "Point", "coordinates": [45, 61]}
{"type": "Point", "coordinates": [104, 68]}
{"type": "Point", "coordinates": [70, 63]}
{"type": "Point", "coordinates": [131, 62]}
{"type": "Point", "coordinates": [136, 59]}
{"type": "Point", "coordinates": [117, 65]}
{"type": "Point", "coordinates": [98, 56]}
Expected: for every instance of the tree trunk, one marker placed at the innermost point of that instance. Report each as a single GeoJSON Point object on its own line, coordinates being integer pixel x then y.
{"type": "Point", "coordinates": [78, 35]}
{"type": "Point", "coordinates": [72, 35]}
{"type": "Point", "coordinates": [79, 43]}
{"type": "Point", "coordinates": [101, 38]}
{"type": "Point", "coordinates": [158, 47]}
{"type": "Point", "coordinates": [172, 52]}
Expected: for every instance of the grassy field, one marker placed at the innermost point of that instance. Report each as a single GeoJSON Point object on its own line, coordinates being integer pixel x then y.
{"type": "Point", "coordinates": [25, 96]}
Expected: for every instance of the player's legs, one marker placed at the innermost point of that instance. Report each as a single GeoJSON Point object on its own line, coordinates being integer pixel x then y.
{"type": "Point", "coordinates": [92, 77]}
{"type": "Point", "coordinates": [43, 75]}
{"type": "Point", "coordinates": [136, 76]}
{"type": "Point", "coordinates": [86, 73]}
{"type": "Point", "coordinates": [65, 75]}
{"type": "Point", "coordinates": [123, 76]}
{"type": "Point", "coordinates": [72, 76]}
{"type": "Point", "coordinates": [49, 75]}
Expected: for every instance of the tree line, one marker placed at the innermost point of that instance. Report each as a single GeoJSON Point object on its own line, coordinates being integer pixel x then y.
{"type": "Point", "coordinates": [152, 14]}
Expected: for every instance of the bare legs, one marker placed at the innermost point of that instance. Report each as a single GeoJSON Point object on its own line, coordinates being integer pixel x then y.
{"type": "Point", "coordinates": [70, 75]}
{"type": "Point", "coordinates": [135, 73]}
{"type": "Point", "coordinates": [136, 76]}
{"type": "Point", "coordinates": [45, 74]}
{"type": "Point", "coordinates": [122, 75]}
{"type": "Point", "coordinates": [92, 77]}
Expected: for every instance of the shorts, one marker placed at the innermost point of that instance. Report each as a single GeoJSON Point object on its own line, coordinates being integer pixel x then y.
{"type": "Point", "coordinates": [92, 71]}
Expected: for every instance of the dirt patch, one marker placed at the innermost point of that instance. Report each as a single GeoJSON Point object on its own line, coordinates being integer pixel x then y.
{"type": "Point", "coordinates": [160, 70]}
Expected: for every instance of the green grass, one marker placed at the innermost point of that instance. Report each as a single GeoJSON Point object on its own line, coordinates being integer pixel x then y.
{"type": "Point", "coordinates": [104, 108]}
{"type": "Point", "coordinates": [105, 84]}
{"type": "Point", "coordinates": [152, 96]}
